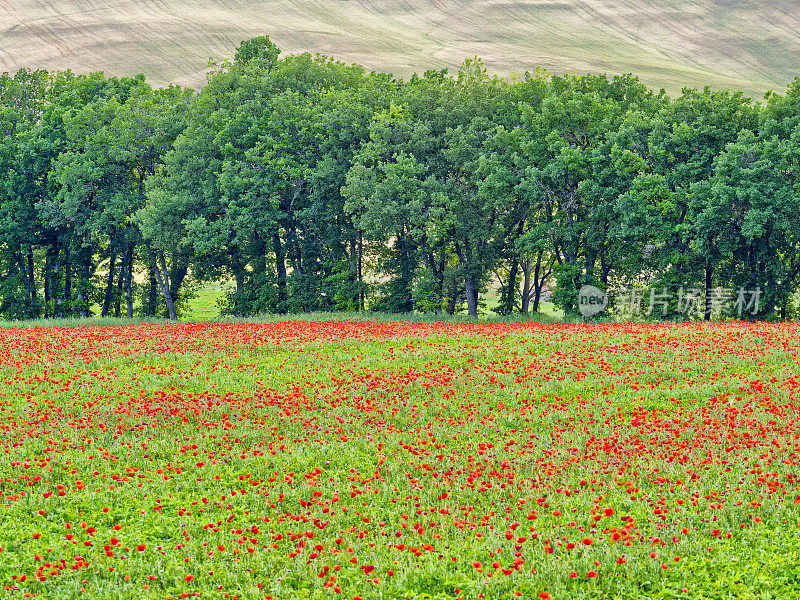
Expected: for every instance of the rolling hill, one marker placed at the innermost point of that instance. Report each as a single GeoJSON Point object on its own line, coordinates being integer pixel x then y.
{"type": "Point", "coordinates": [752, 45]}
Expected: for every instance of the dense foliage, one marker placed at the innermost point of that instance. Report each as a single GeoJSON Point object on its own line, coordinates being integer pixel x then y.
{"type": "Point", "coordinates": [312, 185]}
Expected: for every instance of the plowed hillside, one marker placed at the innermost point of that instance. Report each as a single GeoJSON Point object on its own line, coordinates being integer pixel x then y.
{"type": "Point", "coordinates": [752, 45]}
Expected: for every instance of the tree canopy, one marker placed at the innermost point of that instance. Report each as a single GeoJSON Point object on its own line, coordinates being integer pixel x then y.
{"type": "Point", "coordinates": [309, 184]}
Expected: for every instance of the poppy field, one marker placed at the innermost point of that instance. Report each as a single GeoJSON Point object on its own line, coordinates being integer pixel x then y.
{"type": "Point", "coordinates": [327, 460]}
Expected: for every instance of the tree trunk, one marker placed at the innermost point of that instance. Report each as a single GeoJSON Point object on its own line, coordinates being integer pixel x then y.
{"type": "Point", "coordinates": [709, 276]}
{"type": "Point", "coordinates": [160, 273]}
{"type": "Point", "coordinates": [470, 286]}
{"type": "Point", "coordinates": [472, 296]}
{"type": "Point", "coordinates": [26, 283]}
{"type": "Point", "coordinates": [109, 286]}
{"type": "Point", "coordinates": [526, 286]}
{"type": "Point", "coordinates": [511, 289]}
{"type": "Point", "coordinates": [47, 283]}
{"type": "Point", "coordinates": [440, 275]}
{"type": "Point", "coordinates": [31, 275]}
{"type": "Point", "coordinates": [437, 270]}
{"type": "Point", "coordinates": [451, 304]}
{"type": "Point", "coordinates": [57, 308]}
{"type": "Point", "coordinates": [293, 243]}
{"type": "Point", "coordinates": [84, 283]}
{"type": "Point", "coordinates": [360, 272]}
{"type": "Point", "coordinates": [152, 294]}
{"type": "Point", "coordinates": [129, 282]}
{"type": "Point", "coordinates": [353, 260]}
{"type": "Point", "coordinates": [129, 288]}
{"type": "Point", "coordinates": [591, 259]}
{"type": "Point", "coordinates": [238, 275]}
{"type": "Point", "coordinates": [406, 273]}
{"type": "Point", "coordinates": [571, 251]}
{"type": "Point", "coordinates": [67, 279]}
{"type": "Point", "coordinates": [605, 269]}
{"type": "Point", "coordinates": [120, 286]}
{"type": "Point", "coordinates": [280, 264]}
{"type": "Point", "coordinates": [176, 276]}
{"type": "Point", "coordinates": [538, 284]}
{"type": "Point", "coordinates": [537, 274]}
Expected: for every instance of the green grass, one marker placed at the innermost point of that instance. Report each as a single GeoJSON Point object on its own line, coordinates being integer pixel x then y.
{"type": "Point", "coordinates": [669, 43]}
{"type": "Point", "coordinates": [203, 309]}
{"type": "Point", "coordinates": [204, 302]}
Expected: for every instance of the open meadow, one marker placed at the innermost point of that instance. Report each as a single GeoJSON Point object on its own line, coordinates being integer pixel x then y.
{"type": "Point", "coordinates": [400, 460]}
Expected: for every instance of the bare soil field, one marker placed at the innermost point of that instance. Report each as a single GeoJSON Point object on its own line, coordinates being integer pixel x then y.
{"type": "Point", "coordinates": [752, 46]}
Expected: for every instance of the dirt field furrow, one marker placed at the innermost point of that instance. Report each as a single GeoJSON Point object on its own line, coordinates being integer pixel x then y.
{"type": "Point", "coordinates": [752, 46]}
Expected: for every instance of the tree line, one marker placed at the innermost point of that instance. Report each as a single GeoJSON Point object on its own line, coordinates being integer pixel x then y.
{"type": "Point", "coordinates": [310, 185]}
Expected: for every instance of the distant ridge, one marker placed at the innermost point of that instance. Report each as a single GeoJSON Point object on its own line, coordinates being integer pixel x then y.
{"type": "Point", "coordinates": [750, 45]}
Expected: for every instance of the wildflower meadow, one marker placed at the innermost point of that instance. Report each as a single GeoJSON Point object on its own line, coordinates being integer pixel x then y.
{"type": "Point", "coordinates": [400, 460]}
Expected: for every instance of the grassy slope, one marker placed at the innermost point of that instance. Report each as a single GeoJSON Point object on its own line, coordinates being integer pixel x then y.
{"type": "Point", "coordinates": [669, 43]}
